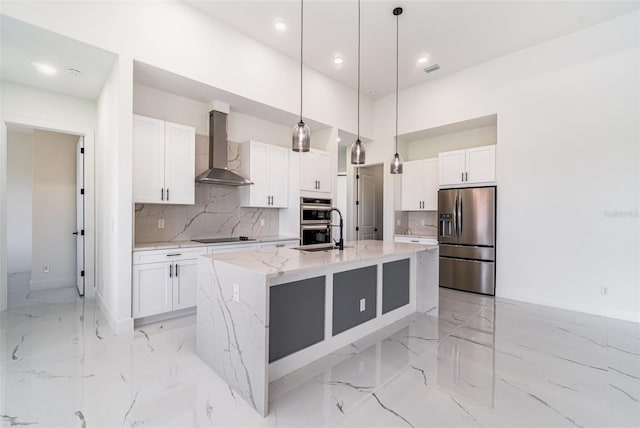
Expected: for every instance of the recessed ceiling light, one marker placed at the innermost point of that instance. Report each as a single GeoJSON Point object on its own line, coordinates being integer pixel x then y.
{"type": "Point", "coordinates": [338, 60]}
{"type": "Point", "coordinates": [44, 68]}
{"type": "Point", "coordinates": [338, 139]}
{"type": "Point", "coordinates": [74, 72]}
{"type": "Point", "coordinates": [280, 26]}
{"type": "Point", "coordinates": [423, 60]}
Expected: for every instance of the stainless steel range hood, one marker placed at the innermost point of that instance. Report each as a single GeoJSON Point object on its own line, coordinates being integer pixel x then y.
{"type": "Point", "coordinates": [218, 173]}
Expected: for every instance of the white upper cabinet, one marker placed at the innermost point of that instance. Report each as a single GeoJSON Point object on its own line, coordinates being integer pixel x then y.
{"type": "Point", "coordinates": [315, 171]}
{"type": "Point", "coordinates": [420, 185]}
{"type": "Point", "coordinates": [267, 166]}
{"type": "Point", "coordinates": [466, 167]}
{"type": "Point", "coordinates": [163, 162]}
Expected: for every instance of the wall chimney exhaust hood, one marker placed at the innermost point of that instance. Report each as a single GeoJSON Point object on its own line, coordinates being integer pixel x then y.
{"type": "Point", "coordinates": [218, 173]}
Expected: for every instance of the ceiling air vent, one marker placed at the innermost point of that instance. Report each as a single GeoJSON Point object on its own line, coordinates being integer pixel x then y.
{"type": "Point", "coordinates": [431, 68]}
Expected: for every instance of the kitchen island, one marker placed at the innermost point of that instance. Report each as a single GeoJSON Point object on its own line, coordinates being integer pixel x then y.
{"type": "Point", "coordinates": [263, 314]}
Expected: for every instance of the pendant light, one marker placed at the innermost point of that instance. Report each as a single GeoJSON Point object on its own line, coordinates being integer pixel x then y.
{"type": "Point", "coordinates": [357, 148]}
{"type": "Point", "coordinates": [301, 141]}
{"type": "Point", "coordinates": [396, 163]}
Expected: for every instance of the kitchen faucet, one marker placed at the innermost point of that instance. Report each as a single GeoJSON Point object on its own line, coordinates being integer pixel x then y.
{"type": "Point", "coordinates": [339, 244]}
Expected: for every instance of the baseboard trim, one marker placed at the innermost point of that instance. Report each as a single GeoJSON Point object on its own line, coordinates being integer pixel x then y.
{"type": "Point", "coordinates": [615, 313]}
{"type": "Point", "coordinates": [48, 284]}
{"type": "Point", "coordinates": [118, 326]}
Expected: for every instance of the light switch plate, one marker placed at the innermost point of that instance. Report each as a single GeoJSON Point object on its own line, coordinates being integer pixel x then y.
{"type": "Point", "coordinates": [160, 223]}
{"type": "Point", "coordinates": [261, 222]}
{"type": "Point", "coordinates": [362, 304]}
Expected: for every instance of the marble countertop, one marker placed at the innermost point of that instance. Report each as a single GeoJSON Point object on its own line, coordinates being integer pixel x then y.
{"type": "Point", "coordinates": [415, 236]}
{"type": "Point", "coordinates": [167, 245]}
{"type": "Point", "coordinates": [276, 262]}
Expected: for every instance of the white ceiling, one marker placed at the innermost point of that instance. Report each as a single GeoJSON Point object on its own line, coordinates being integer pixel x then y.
{"type": "Point", "coordinates": [455, 34]}
{"type": "Point", "coordinates": [22, 44]}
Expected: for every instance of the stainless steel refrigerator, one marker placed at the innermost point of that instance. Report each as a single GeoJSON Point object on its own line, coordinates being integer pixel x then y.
{"type": "Point", "coordinates": [467, 236]}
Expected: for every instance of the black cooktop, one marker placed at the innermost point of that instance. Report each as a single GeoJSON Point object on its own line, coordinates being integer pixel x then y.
{"type": "Point", "coordinates": [222, 240]}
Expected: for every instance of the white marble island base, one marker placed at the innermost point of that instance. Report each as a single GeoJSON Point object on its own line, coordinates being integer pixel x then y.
{"type": "Point", "coordinates": [235, 296]}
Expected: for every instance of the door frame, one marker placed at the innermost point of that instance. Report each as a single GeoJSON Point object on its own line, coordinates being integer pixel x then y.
{"type": "Point", "coordinates": [354, 193]}
{"type": "Point", "coordinates": [90, 230]}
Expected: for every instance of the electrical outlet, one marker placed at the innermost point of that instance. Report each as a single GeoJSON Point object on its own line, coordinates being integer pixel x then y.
{"type": "Point", "coordinates": [422, 222]}
{"type": "Point", "coordinates": [160, 223]}
{"type": "Point", "coordinates": [398, 222]}
{"type": "Point", "coordinates": [236, 292]}
{"type": "Point", "coordinates": [261, 222]}
{"type": "Point", "coordinates": [362, 304]}
{"type": "Point", "coordinates": [604, 291]}
{"type": "Point", "coordinates": [46, 268]}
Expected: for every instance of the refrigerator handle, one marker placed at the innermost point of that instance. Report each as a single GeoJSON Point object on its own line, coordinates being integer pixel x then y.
{"type": "Point", "coordinates": [459, 217]}
{"type": "Point", "coordinates": [455, 217]}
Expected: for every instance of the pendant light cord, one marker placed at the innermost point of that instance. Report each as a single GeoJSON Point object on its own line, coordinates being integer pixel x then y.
{"type": "Point", "coordinates": [397, 61]}
{"type": "Point", "coordinates": [301, 41]}
{"type": "Point", "coordinates": [358, 139]}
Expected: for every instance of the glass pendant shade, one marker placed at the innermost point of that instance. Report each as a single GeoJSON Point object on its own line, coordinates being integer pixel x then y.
{"type": "Point", "coordinates": [301, 141]}
{"type": "Point", "coordinates": [396, 164]}
{"type": "Point", "coordinates": [357, 153]}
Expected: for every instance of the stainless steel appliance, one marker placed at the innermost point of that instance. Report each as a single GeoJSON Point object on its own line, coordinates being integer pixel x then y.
{"type": "Point", "coordinates": [315, 221]}
{"type": "Point", "coordinates": [467, 236]}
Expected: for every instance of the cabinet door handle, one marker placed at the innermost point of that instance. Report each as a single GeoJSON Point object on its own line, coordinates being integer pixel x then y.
{"type": "Point", "coordinates": [177, 265]}
{"type": "Point", "coordinates": [171, 270]}
{"type": "Point", "coordinates": [162, 194]}
{"type": "Point", "coordinates": [167, 194]}
{"type": "Point", "coordinates": [462, 176]}
{"type": "Point", "coordinates": [466, 176]}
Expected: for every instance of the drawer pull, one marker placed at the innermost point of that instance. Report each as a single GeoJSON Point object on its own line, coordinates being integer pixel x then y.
{"type": "Point", "coordinates": [174, 255]}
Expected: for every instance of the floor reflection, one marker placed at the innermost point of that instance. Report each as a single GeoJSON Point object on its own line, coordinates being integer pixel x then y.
{"type": "Point", "coordinates": [479, 362]}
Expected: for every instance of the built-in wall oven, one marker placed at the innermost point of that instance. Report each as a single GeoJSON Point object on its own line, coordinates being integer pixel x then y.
{"type": "Point", "coordinates": [315, 221]}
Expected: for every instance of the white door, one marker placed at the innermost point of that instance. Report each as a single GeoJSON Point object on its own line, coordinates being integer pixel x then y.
{"type": "Point", "coordinates": [411, 186]}
{"type": "Point", "coordinates": [430, 184]}
{"type": "Point", "coordinates": [152, 289]}
{"type": "Point", "coordinates": [179, 165]}
{"type": "Point", "coordinates": [185, 284]}
{"type": "Point", "coordinates": [148, 160]}
{"type": "Point", "coordinates": [323, 165]}
{"type": "Point", "coordinates": [452, 167]}
{"type": "Point", "coordinates": [308, 171]}
{"type": "Point", "coordinates": [279, 183]}
{"type": "Point", "coordinates": [80, 216]}
{"type": "Point", "coordinates": [481, 165]}
{"type": "Point", "coordinates": [260, 175]}
{"type": "Point", "coordinates": [367, 206]}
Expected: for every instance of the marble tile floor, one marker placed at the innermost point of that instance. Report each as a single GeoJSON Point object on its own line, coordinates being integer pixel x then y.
{"type": "Point", "coordinates": [482, 362]}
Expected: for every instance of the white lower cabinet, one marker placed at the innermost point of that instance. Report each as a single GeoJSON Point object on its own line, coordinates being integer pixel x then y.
{"type": "Point", "coordinates": [164, 280]}
{"type": "Point", "coordinates": [152, 289]}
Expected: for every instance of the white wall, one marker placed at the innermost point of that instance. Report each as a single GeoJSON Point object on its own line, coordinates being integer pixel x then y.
{"type": "Point", "coordinates": [54, 210]}
{"type": "Point", "coordinates": [43, 106]}
{"type": "Point", "coordinates": [19, 200]}
{"type": "Point", "coordinates": [430, 147]}
{"type": "Point", "coordinates": [114, 205]}
{"type": "Point", "coordinates": [567, 162]}
{"type": "Point", "coordinates": [173, 36]}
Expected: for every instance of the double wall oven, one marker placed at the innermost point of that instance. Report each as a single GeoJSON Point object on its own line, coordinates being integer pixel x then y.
{"type": "Point", "coordinates": [315, 221]}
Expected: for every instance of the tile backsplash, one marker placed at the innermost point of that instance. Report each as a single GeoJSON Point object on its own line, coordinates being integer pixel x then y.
{"type": "Point", "coordinates": [216, 213]}
{"type": "Point", "coordinates": [420, 223]}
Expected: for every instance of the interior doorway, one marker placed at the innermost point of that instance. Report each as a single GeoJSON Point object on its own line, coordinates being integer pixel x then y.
{"type": "Point", "coordinates": [45, 214]}
{"type": "Point", "coordinates": [369, 185]}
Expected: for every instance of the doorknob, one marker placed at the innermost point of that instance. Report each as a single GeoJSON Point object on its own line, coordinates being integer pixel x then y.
{"type": "Point", "coordinates": [75, 233]}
